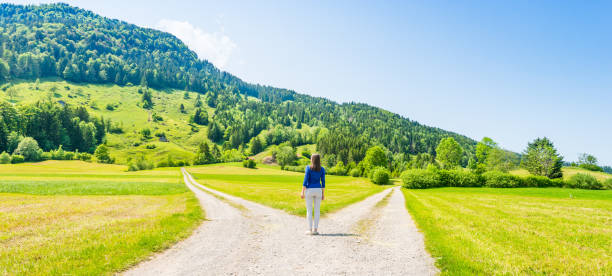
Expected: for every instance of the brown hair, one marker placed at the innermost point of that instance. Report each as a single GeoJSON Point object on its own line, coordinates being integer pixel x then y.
{"type": "Point", "coordinates": [315, 162]}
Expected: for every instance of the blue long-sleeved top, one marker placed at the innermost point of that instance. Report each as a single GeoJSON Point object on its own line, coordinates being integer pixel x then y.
{"type": "Point", "coordinates": [314, 179]}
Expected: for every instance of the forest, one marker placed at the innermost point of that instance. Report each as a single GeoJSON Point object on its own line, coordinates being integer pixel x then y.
{"type": "Point", "coordinates": [58, 40]}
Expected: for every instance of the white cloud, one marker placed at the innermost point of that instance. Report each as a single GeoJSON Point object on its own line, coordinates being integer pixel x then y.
{"type": "Point", "coordinates": [215, 47]}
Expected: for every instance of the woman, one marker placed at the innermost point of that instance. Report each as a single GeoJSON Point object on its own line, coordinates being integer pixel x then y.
{"type": "Point", "coordinates": [313, 189]}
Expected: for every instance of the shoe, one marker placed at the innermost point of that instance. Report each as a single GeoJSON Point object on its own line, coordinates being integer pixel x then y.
{"type": "Point", "coordinates": [308, 232]}
{"type": "Point", "coordinates": [315, 233]}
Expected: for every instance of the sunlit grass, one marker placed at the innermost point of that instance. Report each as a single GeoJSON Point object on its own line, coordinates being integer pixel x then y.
{"type": "Point", "coordinates": [281, 189]}
{"type": "Point", "coordinates": [568, 172]}
{"type": "Point", "coordinates": [519, 231]}
{"type": "Point", "coordinates": [64, 178]}
{"type": "Point", "coordinates": [58, 220]}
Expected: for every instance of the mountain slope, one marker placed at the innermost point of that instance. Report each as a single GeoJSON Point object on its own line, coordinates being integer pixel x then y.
{"type": "Point", "coordinates": [76, 45]}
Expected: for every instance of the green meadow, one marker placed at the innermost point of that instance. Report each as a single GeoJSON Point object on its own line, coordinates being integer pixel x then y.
{"type": "Point", "coordinates": [79, 218]}
{"type": "Point", "coordinates": [522, 231]}
{"type": "Point", "coordinates": [273, 187]}
{"type": "Point", "coordinates": [127, 113]}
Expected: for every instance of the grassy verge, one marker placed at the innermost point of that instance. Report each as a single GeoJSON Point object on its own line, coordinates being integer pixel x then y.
{"type": "Point", "coordinates": [280, 189]}
{"type": "Point", "coordinates": [85, 225]}
{"type": "Point", "coordinates": [484, 231]}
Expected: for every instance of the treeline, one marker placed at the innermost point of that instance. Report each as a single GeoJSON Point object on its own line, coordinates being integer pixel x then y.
{"type": "Point", "coordinates": [58, 40]}
{"type": "Point", "coordinates": [78, 45]}
{"type": "Point", "coordinates": [52, 125]}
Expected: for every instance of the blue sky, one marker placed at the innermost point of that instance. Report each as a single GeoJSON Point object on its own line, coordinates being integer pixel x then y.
{"type": "Point", "coordinates": [510, 70]}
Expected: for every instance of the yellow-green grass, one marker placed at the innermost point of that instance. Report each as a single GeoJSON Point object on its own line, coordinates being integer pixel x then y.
{"type": "Point", "coordinates": [281, 189]}
{"type": "Point", "coordinates": [83, 178]}
{"type": "Point", "coordinates": [128, 113]}
{"type": "Point", "coordinates": [568, 172]}
{"type": "Point", "coordinates": [58, 220]}
{"type": "Point", "coordinates": [523, 231]}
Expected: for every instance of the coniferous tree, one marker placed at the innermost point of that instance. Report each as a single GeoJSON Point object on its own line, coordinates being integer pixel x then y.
{"type": "Point", "coordinates": [147, 99]}
{"type": "Point", "coordinates": [198, 102]}
{"type": "Point", "coordinates": [541, 158]}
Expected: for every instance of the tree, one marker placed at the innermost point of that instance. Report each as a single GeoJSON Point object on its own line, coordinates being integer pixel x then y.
{"type": "Point", "coordinates": [587, 159]}
{"type": "Point", "coordinates": [29, 149]}
{"type": "Point", "coordinates": [182, 108]}
{"type": "Point", "coordinates": [186, 95]}
{"type": "Point", "coordinates": [483, 148]}
{"type": "Point", "coordinates": [88, 133]}
{"type": "Point", "coordinates": [255, 145]}
{"type": "Point", "coordinates": [375, 157]}
{"type": "Point", "coordinates": [147, 99]}
{"type": "Point", "coordinates": [215, 133]}
{"type": "Point", "coordinates": [203, 155]}
{"type": "Point", "coordinates": [3, 135]}
{"type": "Point", "coordinates": [589, 162]}
{"type": "Point", "coordinates": [200, 117]}
{"type": "Point", "coordinates": [198, 101]}
{"type": "Point", "coordinates": [13, 140]}
{"type": "Point", "coordinates": [12, 92]}
{"type": "Point", "coordinates": [449, 153]}
{"type": "Point", "coordinates": [102, 154]}
{"type": "Point", "coordinates": [285, 156]}
{"type": "Point", "coordinates": [5, 71]}
{"type": "Point", "coordinates": [500, 160]}
{"type": "Point", "coordinates": [541, 158]}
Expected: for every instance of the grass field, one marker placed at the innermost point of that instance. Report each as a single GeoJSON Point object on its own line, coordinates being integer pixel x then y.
{"type": "Point", "coordinates": [523, 231]}
{"type": "Point", "coordinates": [280, 189]}
{"type": "Point", "coordinates": [72, 217]}
{"type": "Point", "coordinates": [568, 172]}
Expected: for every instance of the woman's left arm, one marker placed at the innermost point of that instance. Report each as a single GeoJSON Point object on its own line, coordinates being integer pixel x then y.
{"type": "Point", "coordinates": [323, 184]}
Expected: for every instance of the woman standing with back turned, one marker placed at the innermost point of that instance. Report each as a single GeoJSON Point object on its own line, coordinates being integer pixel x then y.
{"type": "Point", "coordinates": [313, 190]}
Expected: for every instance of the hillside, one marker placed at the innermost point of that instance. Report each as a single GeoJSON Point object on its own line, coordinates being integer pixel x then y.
{"type": "Point", "coordinates": [112, 62]}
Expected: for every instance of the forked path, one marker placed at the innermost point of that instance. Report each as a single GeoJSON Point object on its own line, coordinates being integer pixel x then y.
{"type": "Point", "coordinates": [373, 237]}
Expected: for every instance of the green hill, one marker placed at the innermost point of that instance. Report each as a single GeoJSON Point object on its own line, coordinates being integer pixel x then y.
{"type": "Point", "coordinates": [111, 62]}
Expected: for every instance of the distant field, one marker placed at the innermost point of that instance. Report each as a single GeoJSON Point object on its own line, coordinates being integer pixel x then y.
{"type": "Point", "coordinates": [126, 102]}
{"type": "Point", "coordinates": [280, 189]}
{"type": "Point", "coordinates": [72, 217]}
{"type": "Point", "coordinates": [569, 172]}
{"type": "Point", "coordinates": [541, 231]}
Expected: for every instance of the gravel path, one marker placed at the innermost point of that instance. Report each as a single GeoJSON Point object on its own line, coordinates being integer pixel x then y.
{"type": "Point", "coordinates": [373, 237]}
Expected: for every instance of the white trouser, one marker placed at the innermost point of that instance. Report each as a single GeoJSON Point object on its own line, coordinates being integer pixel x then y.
{"type": "Point", "coordinates": [313, 200]}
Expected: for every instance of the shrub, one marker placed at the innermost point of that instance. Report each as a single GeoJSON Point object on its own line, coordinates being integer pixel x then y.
{"type": "Point", "coordinates": [28, 148]}
{"type": "Point", "coordinates": [140, 164]}
{"type": "Point", "coordinates": [102, 155]}
{"type": "Point", "coordinates": [607, 185]}
{"type": "Point", "coordinates": [591, 167]}
{"type": "Point", "coordinates": [339, 169]}
{"type": "Point", "coordinates": [146, 133]}
{"type": "Point", "coordinates": [249, 163]}
{"type": "Point", "coordinates": [380, 176]}
{"type": "Point", "coordinates": [83, 156]}
{"type": "Point", "coordinates": [540, 181]}
{"type": "Point", "coordinates": [69, 155]}
{"type": "Point", "coordinates": [355, 172]}
{"type": "Point", "coordinates": [295, 168]}
{"type": "Point", "coordinates": [46, 156]}
{"type": "Point", "coordinates": [420, 179]}
{"type": "Point", "coordinates": [459, 178]}
{"type": "Point", "coordinates": [150, 146]}
{"type": "Point", "coordinates": [496, 179]}
{"type": "Point", "coordinates": [110, 107]}
{"type": "Point", "coordinates": [306, 153]}
{"type": "Point", "coordinates": [16, 158]}
{"type": "Point", "coordinates": [5, 158]}
{"type": "Point", "coordinates": [583, 181]}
